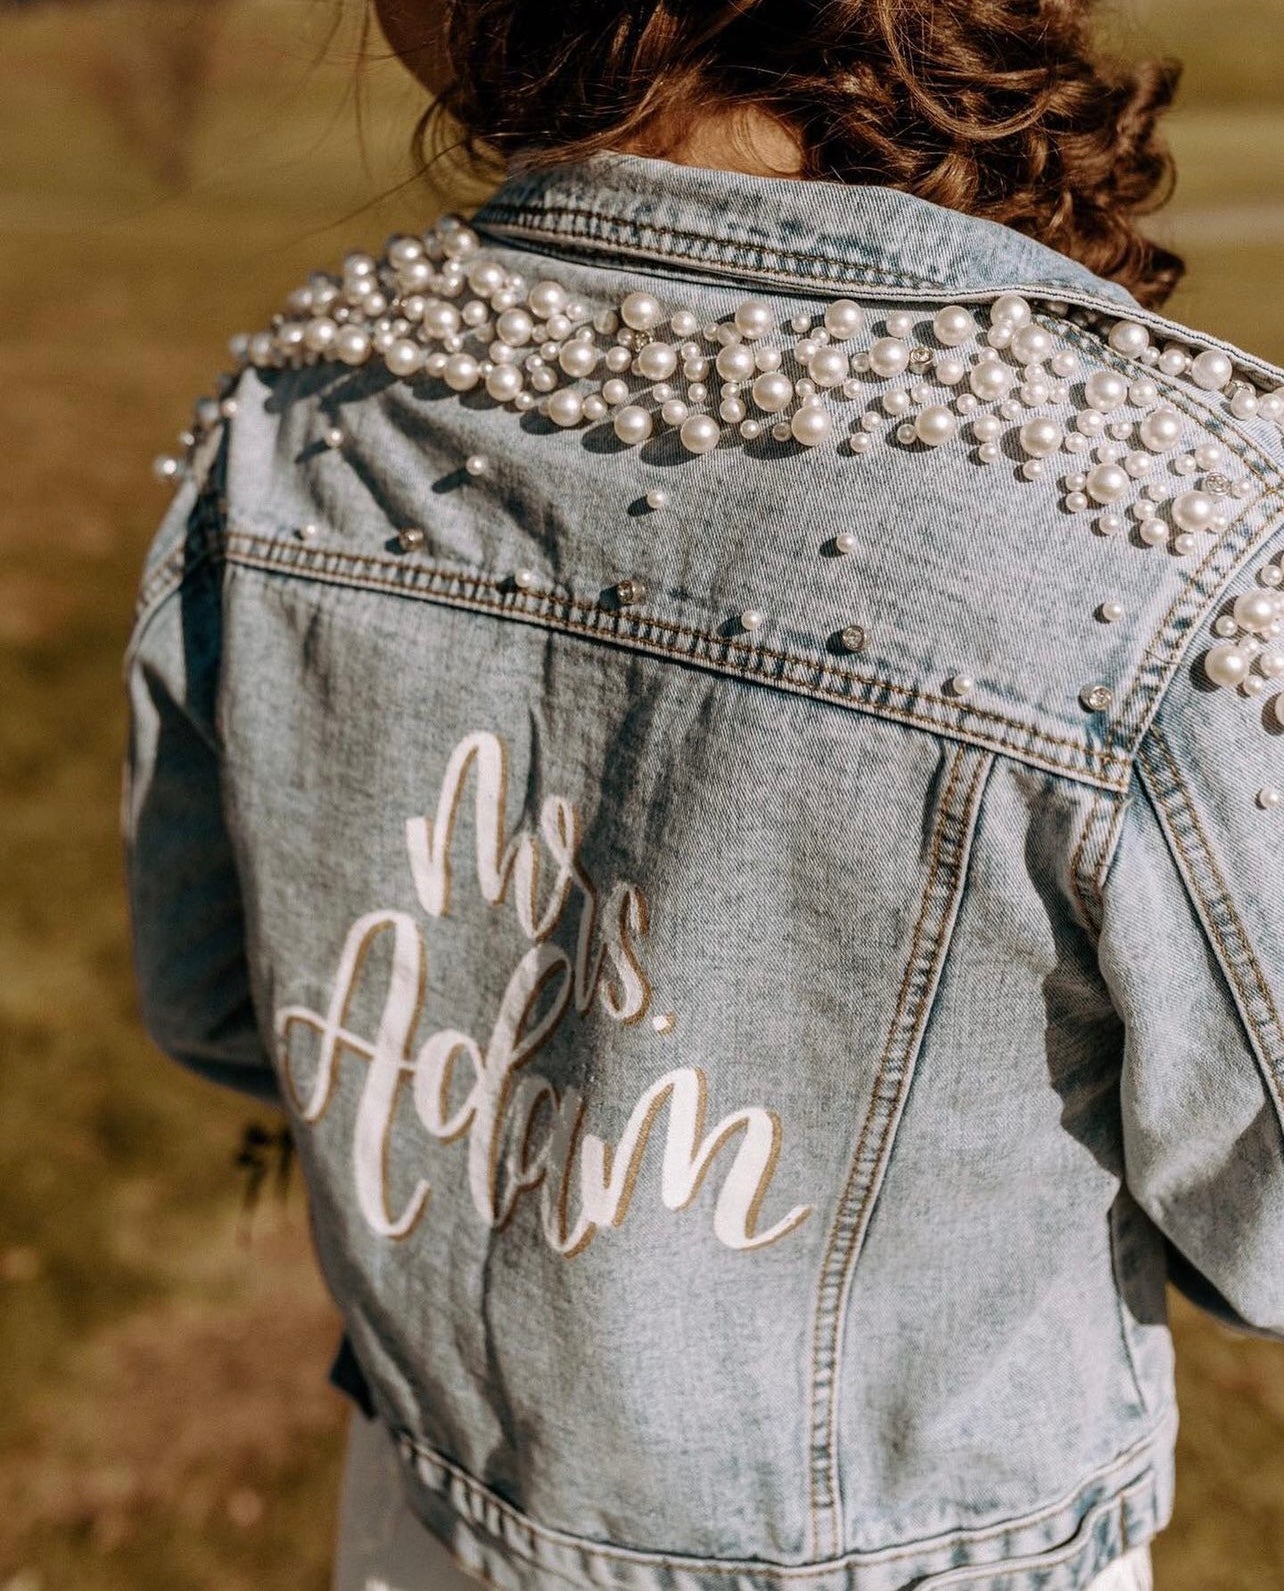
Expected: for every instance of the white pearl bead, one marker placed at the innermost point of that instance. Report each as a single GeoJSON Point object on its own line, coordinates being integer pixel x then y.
{"type": "Point", "coordinates": [700, 433]}
{"type": "Point", "coordinates": [1128, 337]}
{"type": "Point", "coordinates": [1193, 511]}
{"type": "Point", "coordinates": [566, 408]}
{"type": "Point", "coordinates": [988, 453]}
{"type": "Point", "coordinates": [751, 430]}
{"type": "Point", "coordinates": [1033, 469]}
{"type": "Point", "coordinates": [461, 372]}
{"type": "Point", "coordinates": [1271, 664]}
{"type": "Point", "coordinates": [1277, 702]}
{"type": "Point", "coordinates": [1112, 610]}
{"type": "Point", "coordinates": [828, 367]}
{"type": "Point", "coordinates": [618, 359]}
{"type": "Point", "coordinates": [1091, 422]}
{"type": "Point", "coordinates": [641, 311]}
{"type": "Point", "coordinates": [1107, 483]}
{"type": "Point", "coordinates": [844, 318]}
{"type": "Point", "coordinates": [845, 541]}
{"type": "Point", "coordinates": [1211, 370]}
{"type": "Point", "coordinates": [1271, 407]}
{"type": "Point", "coordinates": [1226, 664]}
{"type": "Point", "coordinates": [999, 336]}
{"type": "Point", "coordinates": [352, 345]}
{"type": "Point", "coordinates": [1254, 610]}
{"type": "Point", "coordinates": [657, 361]}
{"type": "Point", "coordinates": [515, 327]}
{"type": "Point", "coordinates": [935, 424]}
{"type": "Point", "coordinates": [751, 619]}
{"type": "Point", "coordinates": [1076, 502]}
{"type": "Point", "coordinates": [1010, 310]}
{"type": "Point", "coordinates": [766, 357]}
{"type": "Point", "coordinates": [633, 424]}
{"type": "Point", "coordinates": [1139, 464]}
{"type": "Point", "coordinates": [811, 424]}
{"type": "Point", "coordinates": [524, 579]}
{"type": "Point", "coordinates": [543, 379]}
{"type": "Point", "coordinates": [990, 380]}
{"type": "Point", "coordinates": [860, 443]}
{"type": "Point", "coordinates": [889, 356]}
{"type": "Point", "coordinates": [1244, 404]}
{"type": "Point", "coordinates": [1269, 797]}
{"type": "Point", "coordinates": [1105, 390]}
{"type": "Point", "coordinates": [1210, 455]}
{"type": "Point", "coordinates": [615, 391]}
{"type": "Point", "coordinates": [987, 428]}
{"type": "Point", "coordinates": [404, 357]}
{"type": "Point", "coordinates": [726, 333]}
{"type": "Point", "coordinates": [656, 499]}
{"type": "Point", "coordinates": [683, 323]}
{"type": "Point", "coordinates": [962, 684]}
{"type": "Point", "coordinates": [754, 318]}
{"type": "Point", "coordinates": [949, 372]}
{"type": "Point", "coordinates": [953, 325]}
{"type": "Point", "coordinates": [736, 363]}
{"type": "Point", "coordinates": [1064, 363]}
{"type": "Point", "coordinates": [772, 391]}
{"type": "Point", "coordinates": [1154, 532]}
{"type": "Point", "coordinates": [1174, 361]}
{"type": "Point", "coordinates": [1031, 345]}
{"type": "Point", "coordinates": [674, 412]}
{"type": "Point", "coordinates": [663, 391]}
{"type": "Point", "coordinates": [1110, 524]}
{"type": "Point", "coordinates": [1041, 437]}
{"type": "Point", "coordinates": [578, 358]}
{"type": "Point", "coordinates": [804, 349]}
{"type": "Point", "coordinates": [546, 298]}
{"type": "Point", "coordinates": [732, 410]}
{"type": "Point", "coordinates": [1161, 430]}
{"type": "Point", "coordinates": [897, 401]}
{"type": "Point", "coordinates": [503, 383]}
{"type": "Point", "coordinates": [476, 464]}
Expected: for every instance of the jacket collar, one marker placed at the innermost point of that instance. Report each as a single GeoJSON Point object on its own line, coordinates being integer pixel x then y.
{"type": "Point", "coordinates": [797, 233]}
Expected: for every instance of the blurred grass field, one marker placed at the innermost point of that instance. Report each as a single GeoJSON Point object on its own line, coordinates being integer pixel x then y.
{"type": "Point", "coordinates": [164, 1419]}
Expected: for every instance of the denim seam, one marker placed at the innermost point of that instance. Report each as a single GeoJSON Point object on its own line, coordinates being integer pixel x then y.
{"type": "Point", "coordinates": [1112, 1225]}
{"type": "Point", "coordinates": [1208, 905]}
{"type": "Point", "coordinates": [954, 829]}
{"type": "Point", "coordinates": [468, 1483]}
{"type": "Point", "coordinates": [489, 595]}
{"type": "Point", "coordinates": [1076, 863]}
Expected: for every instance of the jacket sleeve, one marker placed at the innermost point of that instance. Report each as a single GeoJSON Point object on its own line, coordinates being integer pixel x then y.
{"type": "Point", "coordinates": [1192, 947]}
{"type": "Point", "coordinates": [187, 922]}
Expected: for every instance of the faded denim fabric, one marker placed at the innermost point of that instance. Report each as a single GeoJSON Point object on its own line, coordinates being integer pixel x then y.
{"type": "Point", "coordinates": [752, 1085]}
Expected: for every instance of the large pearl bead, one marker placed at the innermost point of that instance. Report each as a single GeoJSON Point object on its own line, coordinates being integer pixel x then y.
{"type": "Point", "coordinates": [461, 372]}
{"type": "Point", "coordinates": [828, 367]}
{"type": "Point", "coordinates": [1031, 345]}
{"type": "Point", "coordinates": [811, 424]}
{"type": "Point", "coordinates": [404, 357]}
{"type": "Point", "coordinates": [1010, 310]}
{"type": "Point", "coordinates": [515, 327]}
{"type": "Point", "coordinates": [935, 424]}
{"type": "Point", "coordinates": [578, 358]}
{"type": "Point", "coordinates": [1227, 664]}
{"type": "Point", "coordinates": [319, 334]}
{"type": "Point", "coordinates": [641, 311]}
{"type": "Point", "coordinates": [1161, 430]}
{"type": "Point", "coordinates": [657, 361]}
{"type": "Point", "coordinates": [1255, 610]}
{"type": "Point", "coordinates": [1211, 370]}
{"type": "Point", "coordinates": [844, 318]}
{"type": "Point", "coordinates": [566, 407]}
{"type": "Point", "coordinates": [990, 380]}
{"type": "Point", "coordinates": [1107, 483]}
{"type": "Point", "coordinates": [953, 325]}
{"type": "Point", "coordinates": [353, 345]}
{"type": "Point", "coordinates": [1128, 337]}
{"type": "Point", "coordinates": [735, 363]}
{"type": "Point", "coordinates": [772, 391]}
{"type": "Point", "coordinates": [546, 298]}
{"type": "Point", "coordinates": [1105, 390]}
{"type": "Point", "coordinates": [889, 356]}
{"type": "Point", "coordinates": [700, 433]}
{"type": "Point", "coordinates": [1041, 437]}
{"type": "Point", "coordinates": [753, 318]}
{"type": "Point", "coordinates": [440, 319]}
{"type": "Point", "coordinates": [1193, 510]}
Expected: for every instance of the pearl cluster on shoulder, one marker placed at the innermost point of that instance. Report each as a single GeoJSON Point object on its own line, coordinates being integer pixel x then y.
{"type": "Point", "coordinates": [999, 377]}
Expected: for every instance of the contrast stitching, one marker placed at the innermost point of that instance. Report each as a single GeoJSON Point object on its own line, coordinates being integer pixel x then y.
{"type": "Point", "coordinates": [785, 1571]}
{"type": "Point", "coordinates": [906, 1043]}
{"type": "Point", "coordinates": [1076, 860]}
{"type": "Point", "coordinates": [1224, 900]}
{"type": "Point", "coordinates": [473, 595]}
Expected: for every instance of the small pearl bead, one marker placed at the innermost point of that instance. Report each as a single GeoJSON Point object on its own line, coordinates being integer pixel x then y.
{"type": "Point", "coordinates": [1270, 798]}
{"type": "Point", "coordinates": [751, 430]}
{"type": "Point", "coordinates": [334, 436]}
{"type": "Point", "coordinates": [1111, 611]}
{"type": "Point", "coordinates": [1227, 664]}
{"type": "Point", "coordinates": [1077, 502]}
{"type": "Point", "coordinates": [990, 380]}
{"type": "Point", "coordinates": [845, 541]}
{"type": "Point", "coordinates": [476, 464]}
{"type": "Point", "coordinates": [1041, 437]}
{"type": "Point", "coordinates": [1107, 483]}
{"type": "Point", "coordinates": [566, 408]}
{"type": "Point", "coordinates": [674, 412]}
{"type": "Point", "coordinates": [524, 579]}
{"type": "Point", "coordinates": [1105, 390]}
{"type": "Point", "coordinates": [962, 684]}
{"type": "Point", "coordinates": [949, 372]}
{"type": "Point", "coordinates": [751, 619]}
{"type": "Point", "coordinates": [1193, 511]}
{"type": "Point", "coordinates": [988, 453]}
{"type": "Point", "coordinates": [657, 498]}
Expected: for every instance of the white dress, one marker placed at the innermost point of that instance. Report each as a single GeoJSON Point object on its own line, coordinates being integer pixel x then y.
{"type": "Point", "coordinates": [383, 1547]}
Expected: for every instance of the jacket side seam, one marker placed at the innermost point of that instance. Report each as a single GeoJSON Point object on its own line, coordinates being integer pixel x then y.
{"type": "Point", "coordinates": [706, 649]}
{"type": "Point", "coordinates": [1197, 862]}
{"type": "Point", "coordinates": [932, 932]}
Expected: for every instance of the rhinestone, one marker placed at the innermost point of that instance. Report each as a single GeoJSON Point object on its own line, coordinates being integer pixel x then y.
{"type": "Point", "coordinates": [852, 638]}
{"type": "Point", "coordinates": [1097, 698]}
{"type": "Point", "coordinates": [627, 592]}
{"type": "Point", "coordinates": [410, 538]}
{"type": "Point", "coordinates": [1219, 485]}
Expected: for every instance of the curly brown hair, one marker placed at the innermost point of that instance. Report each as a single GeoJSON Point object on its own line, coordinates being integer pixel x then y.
{"type": "Point", "coordinates": [1005, 109]}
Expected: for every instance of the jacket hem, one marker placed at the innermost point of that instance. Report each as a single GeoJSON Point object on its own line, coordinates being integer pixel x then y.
{"type": "Point", "coordinates": [1061, 1547]}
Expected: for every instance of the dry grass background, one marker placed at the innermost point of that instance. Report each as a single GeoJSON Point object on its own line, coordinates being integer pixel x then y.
{"type": "Point", "coordinates": [168, 169]}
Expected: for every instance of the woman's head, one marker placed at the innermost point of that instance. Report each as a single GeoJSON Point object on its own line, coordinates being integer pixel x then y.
{"type": "Point", "coordinates": [1005, 109]}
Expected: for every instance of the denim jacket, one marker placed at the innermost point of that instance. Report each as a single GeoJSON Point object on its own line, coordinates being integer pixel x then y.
{"type": "Point", "coordinates": [717, 743]}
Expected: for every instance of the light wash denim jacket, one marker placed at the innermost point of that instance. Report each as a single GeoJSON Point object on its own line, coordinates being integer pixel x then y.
{"type": "Point", "coordinates": [717, 743]}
